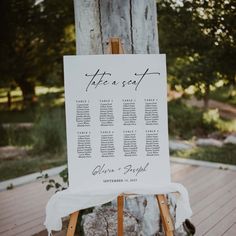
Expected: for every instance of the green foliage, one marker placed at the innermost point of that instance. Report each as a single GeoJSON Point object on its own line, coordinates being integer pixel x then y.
{"type": "Point", "coordinates": [184, 121]}
{"type": "Point", "coordinates": [199, 39]}
{"type": "Point", "coordinates": [52, 184]}
{"type": "Point", "coordinates": [17, 116]}
{"type": "Point", "coordinates": [4, 136]}
{"type": "Point", "coordinates": [225, 94]}
{"type": "Point", "coordinates": [52, 99]}
{"type": "Point", "coordinates": [211, 116]}
{"type": "Point", "coordinates": [15, 133]}
{"type": "Point", "coordinates": [15, 136]}
{"type": "Point", "coordinates": [225, 154]}
{"type": "Point", "coordinates": [49, 132]}
{"type": "Point", "coordinates": [213, 122]}
{"type": "Point", "coordinates": [31, 163]}
{"type": "Point", "coordinates": [64, 175]}
{"type": "Point", "coordinates": [210, 119]}
{"type": "Point", "coordinates": [36, 36]}
{"type": "Point", "coordinates": [226, 126]}
{"type": "Point", "coordinates": [19, 136]}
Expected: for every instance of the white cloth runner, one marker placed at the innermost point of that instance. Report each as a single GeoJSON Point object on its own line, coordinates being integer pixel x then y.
{"type": "Point", "coordinates": [66, 202]}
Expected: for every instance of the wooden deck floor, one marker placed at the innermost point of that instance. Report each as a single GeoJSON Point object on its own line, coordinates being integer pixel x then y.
{"type": "Point", "coordinates": [212, 196]}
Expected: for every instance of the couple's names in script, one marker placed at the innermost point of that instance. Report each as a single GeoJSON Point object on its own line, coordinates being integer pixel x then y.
{"type": "Point", "coordinates": [127, 169]}
{"type": "Point", "coordinates": [101, 79]}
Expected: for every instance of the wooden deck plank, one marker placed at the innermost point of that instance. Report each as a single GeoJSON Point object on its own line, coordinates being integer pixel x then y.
{"type": "Point", "coordinates": [189, 178]}
{"type": "Point", "coordinates": [231, 231]}
{"type": "Point", "coordinates": [176, 167]}
{"type": "Point", "coordinates": [24, 213]}
{"type": "Point", "coordinates": [203, 180]}
{"type": "Point", "coordinates": [19, 194]}
{"type": "Point", "coordinates": [27, 201]}
{"type": "Point", "coordinates": [24, 227]}
{"type": "Point", "coordinates": [205, 213]}
{"type": "Point", "coordinates": [21, 207]}
{"type": "Point", "coordinates": [210, 185]}
{"type": "Point", "coordinates": [209, 222]}
{"type": "Point", "coordinates": [195, 181]}
{"type": "Point", "coordinates": [24, 198]}
{"type": "Point", "coordinates": [25, 204]}
{"type": "Point", "coordinates": [22, 218]}
{"type": "Point", "coordinates": [211, 179]}
{"type": "Point", "coordinates": [16, 192]}
{"type": "Point", "coordinates": [23, 222]}
{"type": "Point", "coordinates": [180, 174]}
{"type": "Point", "coordinates": [32, 231]}
{"type": "Point", "coordinates": [30, 188]}
{"type": "Point", "coordinates": [224, 226]}
{"type": "Point", "coordinates": [202, 203]}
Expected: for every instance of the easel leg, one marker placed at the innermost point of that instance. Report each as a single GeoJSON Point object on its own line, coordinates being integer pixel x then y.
{"type": "Point", "coordinates": [72, 224]}
{"type": "Point", "coordinates": [165, 215]}
{"type": "Point", "coordinates": [120, 207]}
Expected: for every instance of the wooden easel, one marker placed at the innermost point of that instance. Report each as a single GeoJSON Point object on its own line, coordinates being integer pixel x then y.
{"type": "Point", "coordinates": [115, 47]}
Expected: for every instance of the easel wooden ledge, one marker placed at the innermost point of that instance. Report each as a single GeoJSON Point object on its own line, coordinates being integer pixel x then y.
{"type": "Point", "coordinates": [115, 47]}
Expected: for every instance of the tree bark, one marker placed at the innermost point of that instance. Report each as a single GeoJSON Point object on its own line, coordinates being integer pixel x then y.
{"type": "Point", "coordinates": [135, 22]}
{"type": "Point", "coordinates": [206, 97]}
{"type": "Point", "coordinates": [9, 99]}
{"type": "Point", "coordinates": [28, 92]}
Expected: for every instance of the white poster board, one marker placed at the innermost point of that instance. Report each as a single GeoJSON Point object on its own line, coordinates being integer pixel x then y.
{"type": "Point", "coordinates": [116, 119]}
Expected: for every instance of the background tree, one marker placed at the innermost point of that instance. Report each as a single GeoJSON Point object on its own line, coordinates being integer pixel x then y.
{"type": "Point", "coordinates": [199, 39]}
{"type": "Point", "coordinates": [36, 35]}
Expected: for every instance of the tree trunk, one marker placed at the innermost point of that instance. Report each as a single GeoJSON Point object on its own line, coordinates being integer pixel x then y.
{"type": "Point", "coordinates": [28, 92]}
{"type": "Point", "coordinates": [9, 99]}
{"type": "Point", "coordinates": [206, 97]}
{"type": "Point", "coordinates": [135, 22]}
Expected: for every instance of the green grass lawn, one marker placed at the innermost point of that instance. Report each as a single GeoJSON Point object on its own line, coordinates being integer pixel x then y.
{"type": "Point", "coordinates": [30, 164]}
{"type": "Point", "coordinates": [225, 154]}
{"type": "Point", "coordinates": [15, 116]}
{"type": "Point", "coordinates": [45, 139]}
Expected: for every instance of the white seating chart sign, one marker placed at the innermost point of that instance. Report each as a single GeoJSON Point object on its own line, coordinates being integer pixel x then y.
{"type": "Point", "coordinates": [116, 120]}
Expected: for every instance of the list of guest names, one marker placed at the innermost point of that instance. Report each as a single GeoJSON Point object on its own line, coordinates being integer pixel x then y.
{"type": "Point", "coordinates": [106, 121]}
